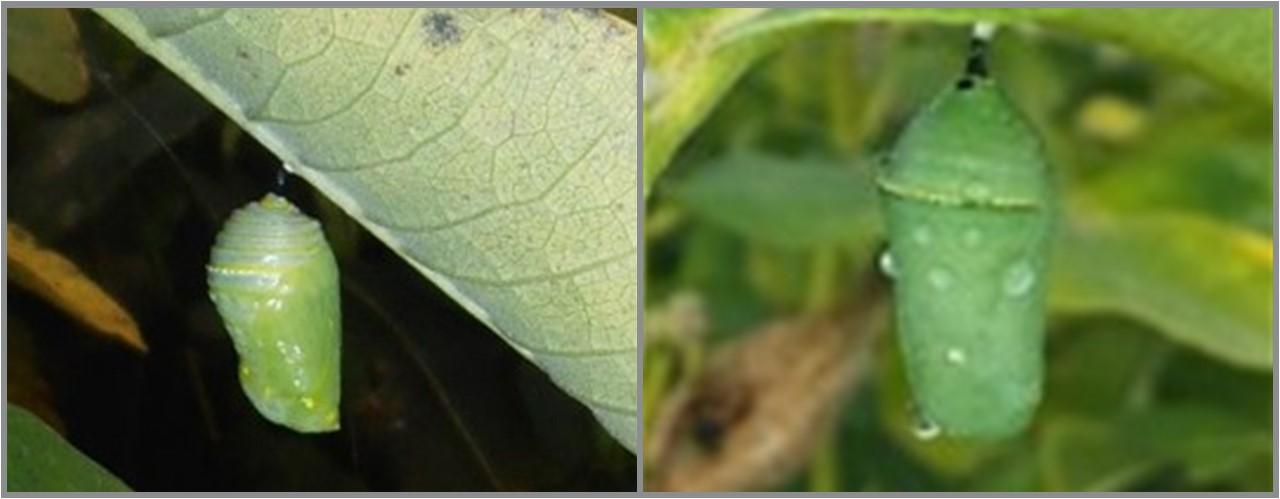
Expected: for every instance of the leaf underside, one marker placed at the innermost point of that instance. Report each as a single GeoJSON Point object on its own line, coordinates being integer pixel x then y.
{"type": "Point", "coordinates": [493, 149]}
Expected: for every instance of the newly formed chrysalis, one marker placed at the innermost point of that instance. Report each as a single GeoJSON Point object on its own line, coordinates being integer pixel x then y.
{"type": "Point", "coordinates": [968, 201]}
{"type": "Point", "coordinates": [274, 281]}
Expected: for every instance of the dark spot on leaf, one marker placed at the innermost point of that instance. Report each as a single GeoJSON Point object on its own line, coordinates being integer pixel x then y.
{"type": "Point", "coordinates": [965, 83]}
{"type": "Point", "coordinates": [242, 54]}
{"type": "Point", "coordinates": [441, 29]}
{"type": "Point", "coordinates": [402, 68]}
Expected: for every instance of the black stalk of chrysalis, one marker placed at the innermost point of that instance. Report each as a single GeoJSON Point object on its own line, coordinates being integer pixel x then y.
{"type": "Point", "coordinates": [969, 208]}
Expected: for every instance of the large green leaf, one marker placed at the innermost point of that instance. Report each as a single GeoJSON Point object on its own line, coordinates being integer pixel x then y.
{"type": "Point", "coordinates": [39, 460]}
{"type": "Point", "coordinates": [705, 52]}
{"type": "Point", "coordinates": [1204, 284]}
{"type": "Point", "coordinates": [493, 149]}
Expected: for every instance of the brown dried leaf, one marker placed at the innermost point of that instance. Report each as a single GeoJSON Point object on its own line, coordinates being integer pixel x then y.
{"type": "Point", "coordinates": [57, 279]}
{"type": "Point", "coordinates": [763, 405]}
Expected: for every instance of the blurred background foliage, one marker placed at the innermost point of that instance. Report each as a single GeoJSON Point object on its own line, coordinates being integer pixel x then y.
{"type": "Point", "coordinates": [763, 129]}
{"type": "Point", "coordinates": [118, 177]}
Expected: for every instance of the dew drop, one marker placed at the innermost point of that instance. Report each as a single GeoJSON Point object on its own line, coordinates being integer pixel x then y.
{"type": "Point", "coordinates": [1018, 279]}
{"type": "Point", "coordinates": [922, 236]}
{"type": "Point", "coordinates": [956, 356]}
{"type": "Point", "coordinates": [940, 279]}
{"type": "Point", "coordinates": [886, 264]}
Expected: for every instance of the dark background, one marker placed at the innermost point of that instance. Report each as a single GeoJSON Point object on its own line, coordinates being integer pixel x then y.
{"type": "Point", "coordinates": [132, 184]}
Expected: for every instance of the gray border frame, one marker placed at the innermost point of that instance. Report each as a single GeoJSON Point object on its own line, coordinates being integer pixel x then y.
{"type": "Point", "coordinates": [641, 6]}
{"type": "Point", "coordinates": [640, 249]}
{"type": "Point", "coordinates": [4, 186]}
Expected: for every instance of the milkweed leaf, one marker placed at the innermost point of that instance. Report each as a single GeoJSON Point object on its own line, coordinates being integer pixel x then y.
{"type": "Point", "coordinates": [493, 149]}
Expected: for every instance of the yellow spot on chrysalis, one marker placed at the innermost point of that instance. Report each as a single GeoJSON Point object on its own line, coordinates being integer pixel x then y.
{"type": "Point", "coordinates": [308, 402]}
{"type": "Point", "coordinates": [331, 417]}
{"type": "Point", "coordinates": [245, 372]}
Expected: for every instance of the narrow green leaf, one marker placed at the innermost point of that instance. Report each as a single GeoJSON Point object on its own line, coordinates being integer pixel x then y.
{"type": "Point", "coordinates": [1206, 285]}
{"type": "Point", "coordinates": [802, 203]}
{"type": "Point", "coordinates": [39, 460]}
{"type": "Point", "coordinates": [493, 149]}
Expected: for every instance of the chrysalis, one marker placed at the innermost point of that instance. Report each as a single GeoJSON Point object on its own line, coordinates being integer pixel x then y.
{"type": "Point", "coordinates": [274, 281]}
{"type": "Point", "coordinates": [968, 201]}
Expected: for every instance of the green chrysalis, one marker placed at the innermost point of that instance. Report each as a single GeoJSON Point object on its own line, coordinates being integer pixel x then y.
{"type": "Point", "coordinates": [968, 201]}
{"type": "Point", "coordinates": [274, 281]}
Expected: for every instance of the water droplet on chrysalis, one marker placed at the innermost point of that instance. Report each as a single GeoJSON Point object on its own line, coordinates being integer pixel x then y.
{"type": "Point", "coordinates": [924, 428]}
{"type": "Point", "coordinates": [940, 279]}
{"type": "Point", "coordinates": [1019, 279]}
{"type": "Point", "coordinates": [921, 235]}
{"type": "Point", "coordinates": [972, 237]}
{"type": "Point", "coordinates": [956, 356]}
{"type": "Point", "coordinates": [887, 265]}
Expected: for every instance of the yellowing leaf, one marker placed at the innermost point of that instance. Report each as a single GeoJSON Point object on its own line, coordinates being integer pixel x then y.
{"type": "Point", "coordinates": [45, 55]}
{"type": "Point", "coordinates": [58, 280]}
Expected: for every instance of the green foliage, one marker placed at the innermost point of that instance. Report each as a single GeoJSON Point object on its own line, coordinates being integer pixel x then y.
{"type": "Point", "coordinates": [753, 194]}
{"type": "Point", "coordinates": [1204, 284]}
{"type": "Point", "coordinates": [1160, 292]}
{"type": "Point", "coordinates": [39, 460]}
{"type": "Point", "coordinates": [492, 149]}
{"type": "Point", "coordinates": [701, 53]}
